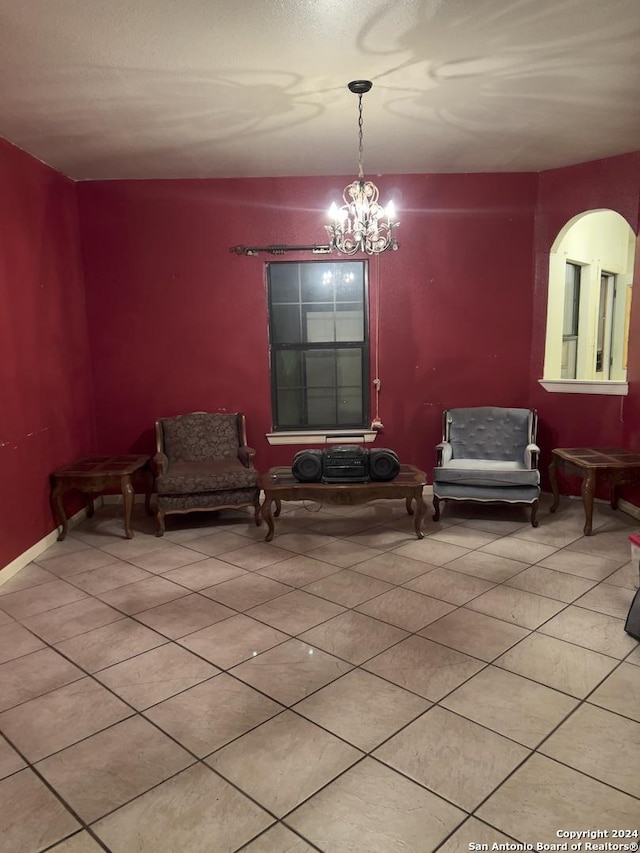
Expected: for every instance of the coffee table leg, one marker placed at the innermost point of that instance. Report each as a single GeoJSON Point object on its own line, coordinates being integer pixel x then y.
{"type": "Point", "coordinates": [57, 507]}
{"type": "Point", "coordinates": [409, 507]}
{"type": "Point", "coordinates": [265, 512]}
{"type": "Point", "coordinates": [127, 495]}
{"type": "Point", "coordinates": [553, 479]}
{"type": "Point", "coordinates": [88, 497]}
{"type": "Point", "coordinates": [588, 488]}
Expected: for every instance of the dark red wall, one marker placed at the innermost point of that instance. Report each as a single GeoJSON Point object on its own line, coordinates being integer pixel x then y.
{"type": "Point", "coordinates": [46, 411]}
{"type": "Point", "coordinates": [576, 420]}
{"type": "Point", "coordinates": [178, 323]}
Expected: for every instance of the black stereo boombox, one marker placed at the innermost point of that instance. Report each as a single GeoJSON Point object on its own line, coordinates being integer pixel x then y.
{"type": "Point", "coordinates": [345, 464]}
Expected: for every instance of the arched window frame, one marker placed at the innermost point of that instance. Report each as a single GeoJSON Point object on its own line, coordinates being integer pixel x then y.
{"type": "Point", "coordinates": [596, 264]}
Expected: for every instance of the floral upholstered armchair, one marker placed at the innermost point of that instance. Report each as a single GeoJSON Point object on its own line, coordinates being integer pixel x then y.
{"type": "Point", "coordinates": [488, 454]}
{"type": "Point", "coordinates": [203, 463]}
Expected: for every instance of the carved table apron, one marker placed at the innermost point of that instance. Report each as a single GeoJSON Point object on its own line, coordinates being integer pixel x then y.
{"type": "Point", "coordinates": [279, 485]}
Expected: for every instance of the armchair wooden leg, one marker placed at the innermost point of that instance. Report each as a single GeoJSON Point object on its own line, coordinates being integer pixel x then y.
{"type": "Point", "coordinates": [436, 508]}
{"type": "Point", "coordinates": [160, 521]}
{"type": "Point", "coordinates": [534, 512]}
{"type": "Point", "coordinates": [256, 507]}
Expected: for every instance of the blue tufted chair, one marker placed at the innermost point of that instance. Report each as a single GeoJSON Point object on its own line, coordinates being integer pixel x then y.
{"type": "Point", "coordinates": [488, 454]}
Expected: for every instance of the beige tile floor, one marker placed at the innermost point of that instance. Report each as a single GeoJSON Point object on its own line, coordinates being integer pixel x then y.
{"type": "Point", "coordinates": [343, 688]}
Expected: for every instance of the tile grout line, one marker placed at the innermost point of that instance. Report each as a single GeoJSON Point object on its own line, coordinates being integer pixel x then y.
{"type": "Point", "coordinates": [175, 641]}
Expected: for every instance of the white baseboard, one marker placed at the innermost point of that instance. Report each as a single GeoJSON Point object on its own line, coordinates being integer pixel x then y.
{"type": "Point", "coordinates": [30, 554]}
{"type": "Point", "coordinates": [629, 508]}
{"type": "Point", "coordinates": [624, 506]}
{"type": "Point", "coordinates": [117, 499]}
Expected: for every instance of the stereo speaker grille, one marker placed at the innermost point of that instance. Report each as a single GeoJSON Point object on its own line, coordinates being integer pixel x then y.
{"type": "Point", "coordinates": [307, 466]}
{"type": "Point", "coordinates": [384, 464]}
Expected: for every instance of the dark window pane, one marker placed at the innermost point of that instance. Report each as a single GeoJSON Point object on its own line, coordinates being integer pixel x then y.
{"type": "Point", "coordinates": [349, 368]}
{"type": "Point", "coordinates": [349, 283]}
{"type": "Point", "coordinates": [316, 283]}
{"type": "Point", "coordinates": [313, 292]}
{"type": "Point", "coordinates": [285, 324]}
{"type": "Point", "coordinates": [290, 404]}
{"type": "Point", "coordinates": [283, 282]}
{"type": "Point", "coordinates": [288, 368]}
{"type": "Point", "coordinates": [350, 407]}
{"type": "Point", "coordinates": [320, 369]}
{"type": "Point", "coordinates": [331, 281]}
{"type": "Point", "coordinates": [321, 407]}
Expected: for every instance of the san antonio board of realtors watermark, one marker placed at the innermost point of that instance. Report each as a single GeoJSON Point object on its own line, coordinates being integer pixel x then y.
{"type": "Point", "coordinates": [579, 841]}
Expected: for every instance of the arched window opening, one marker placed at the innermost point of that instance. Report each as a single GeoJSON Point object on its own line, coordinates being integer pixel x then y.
{"type": "Point", "coordinates": [589, 302]}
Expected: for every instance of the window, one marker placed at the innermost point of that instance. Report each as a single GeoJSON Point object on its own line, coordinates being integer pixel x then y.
{"type": "Point", "coordinates": [606, 310]}
{"type": "Point", "coordinates": [319, 344]}
{"type": "Point", "coordinates": [590, 282]}
{"type": "Point", "coordinates": [570, 322]}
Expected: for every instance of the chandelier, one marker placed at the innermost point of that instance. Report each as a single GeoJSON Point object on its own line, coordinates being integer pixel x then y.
{"type": "Point", "coordinates": [362, 224]}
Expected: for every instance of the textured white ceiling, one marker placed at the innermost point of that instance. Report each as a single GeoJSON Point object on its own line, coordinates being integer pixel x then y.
{"type": "Point", "coordinates": [105, 89]}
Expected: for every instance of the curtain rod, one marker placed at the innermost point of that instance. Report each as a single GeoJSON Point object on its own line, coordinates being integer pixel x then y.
{"type": "Point", "coordinates": [252, 251]}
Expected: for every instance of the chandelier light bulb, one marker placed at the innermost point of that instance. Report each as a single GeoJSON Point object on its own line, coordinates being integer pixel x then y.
{"type": "Point", "coordinates": [362, 224]}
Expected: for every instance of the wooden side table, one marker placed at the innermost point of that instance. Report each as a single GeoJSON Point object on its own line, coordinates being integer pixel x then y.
{"type": "Point", "coordinates": [614, 465]}
{"type": "Point", "coordinates": [93, 475]}
{"type": "Point", "coordinates": [279, 485]}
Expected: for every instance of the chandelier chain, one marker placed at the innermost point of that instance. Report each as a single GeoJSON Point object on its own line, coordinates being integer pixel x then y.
{"type": "Point", "coordinates": [360, 134]}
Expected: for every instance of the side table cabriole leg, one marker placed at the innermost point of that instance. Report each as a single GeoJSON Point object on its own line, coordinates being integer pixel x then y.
{"type": "Point", "coordinates": [127, 495]}
{"type": "Point", "coordinates": [588, 489]}
{"type": "Point", "coordinates": [553, 480]}
{"type": "Point", "coordinates": [57, 507]}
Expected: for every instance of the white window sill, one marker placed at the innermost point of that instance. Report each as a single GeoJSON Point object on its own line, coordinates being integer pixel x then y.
{"type": "Point", "coordinates": [335, 436]}
{"type": "Point", "coordinates": [581, 386]}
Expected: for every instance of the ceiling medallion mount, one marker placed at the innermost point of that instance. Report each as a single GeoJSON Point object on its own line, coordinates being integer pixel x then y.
{"type": "Point", "coordinates": [360, 87]}
{"type": "Point", "coordinates": [362, 224]}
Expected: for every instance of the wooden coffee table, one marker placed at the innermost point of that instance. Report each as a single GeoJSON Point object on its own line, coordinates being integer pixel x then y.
{"type": "Point", "coordinates": [613, 465]}
{"type": "Point", "coordinates": [93, 475]}
{"type": "Point", "coordinates": [279, 485]}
